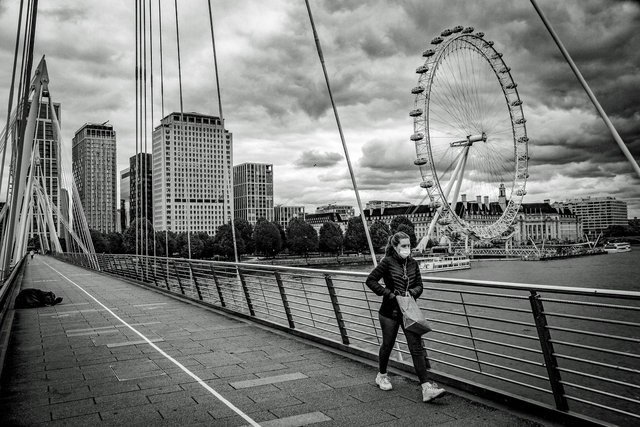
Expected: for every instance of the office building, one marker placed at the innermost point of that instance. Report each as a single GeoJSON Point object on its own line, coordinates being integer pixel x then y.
{"type": "Point", "coordinates": [253, 191]}
{"type": "Point", "coordinates": [94, 169]}
{"type": "Point", "coordinates": [283, 214]}
{"type": "Point", "coordinates": [125, 199]}
{"type": "Point", "coordinates": [597, 213]}
{"type": "Point", "coordinates": [192, 158]}
{"type": "Point", "coordinates": [140, 186]}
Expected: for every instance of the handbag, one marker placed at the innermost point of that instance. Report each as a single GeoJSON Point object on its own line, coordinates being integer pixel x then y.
{"type": "Point", "coordinates": [412, 318]}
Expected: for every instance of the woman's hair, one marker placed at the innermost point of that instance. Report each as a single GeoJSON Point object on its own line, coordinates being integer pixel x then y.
{"type": "Point", "coordinates": [394, 241]}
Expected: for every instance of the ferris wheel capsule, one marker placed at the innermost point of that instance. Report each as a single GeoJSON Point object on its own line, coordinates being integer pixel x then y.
{"type": "Point", "coordinates": [428, 52]}
{"type": "Point", "coordinates": [457, 28]}
{"type": "Point", "coordinates": [437, 40]}
{"type": "Point", "coordinates": [468, 30]}
{"type": "Point", "coordinates": [421, 161]}
{"type": "Point", "coordinates": [422, 69]}
{"type": "Point", "coordinates": [417, 136]}
{"type": "Point", "coordinates": [418, 89]}
{"type": "Point", "coordinates": [415, 113]}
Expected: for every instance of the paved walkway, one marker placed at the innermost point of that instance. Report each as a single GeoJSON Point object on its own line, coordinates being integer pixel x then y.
{"type": "Point", "coordinates": [82, 363]}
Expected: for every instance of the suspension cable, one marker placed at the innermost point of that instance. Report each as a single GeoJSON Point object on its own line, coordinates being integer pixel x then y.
{"type": "Point", "coordinates": [228, 183]}
{"type": "Point", "coordinates": [10, 103]}
{"type": "Point", "coordinates": [152, 122]}
{"type": "Point", "coordinates": [344, 144]}
{"type": "Point", "coordinates": [166, 224]}
{"type": "Point", "coordinates": [187, 193]}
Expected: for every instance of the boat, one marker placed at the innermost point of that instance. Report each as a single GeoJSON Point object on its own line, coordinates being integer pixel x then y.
{"type": "Point", "coordinates": [434, 264]}
{"type": "Point", "coordinates": [617, 247]}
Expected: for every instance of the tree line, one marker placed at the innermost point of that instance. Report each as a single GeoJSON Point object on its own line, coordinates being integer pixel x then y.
{"type": "Point", "coordinates": [266, 238]}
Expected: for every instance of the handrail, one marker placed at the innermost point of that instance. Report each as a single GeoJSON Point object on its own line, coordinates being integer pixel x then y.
{"type": "Point", "coordinates": [484, 339]}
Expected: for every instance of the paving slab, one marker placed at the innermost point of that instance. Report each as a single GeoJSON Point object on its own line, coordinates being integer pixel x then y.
{"type": "Point", "coordinates": [83, 363]}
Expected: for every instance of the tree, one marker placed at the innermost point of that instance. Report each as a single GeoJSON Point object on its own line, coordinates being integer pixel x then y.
{"type": "Point", "coordinates": [302, 238]}
{"type": "Point", "coordinates": [402, 223]}
{"type": "Point", "coordinates": [379, 232]}
{"type": "Point", "coordinates": [399, 220]}
{"type": "Point", "coordinates": [244, 229]}
{"type": "Point", "coordinates": [355, 238]}
{"type": "Point", "coordinates": [331, 238]}
{"type": "Point", "coordinates": [114, 242]}
{"type": "Point", "coordinates": [198, 241]}
{"type": "Point", "coordinates": [223, 242]}
{"type": "Point", "coordinates": [164, 239]}
{"type": "Point", "coordinates": [266, 238]}
{"type": "Point", "coordinates": [100, 244]}
{"type": "Point", "coordinates": [133, 241]}
{"type": "Point", "coordinates": [283, 235]}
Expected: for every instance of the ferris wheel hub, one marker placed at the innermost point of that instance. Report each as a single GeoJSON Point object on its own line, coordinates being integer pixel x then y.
{"type": "Point", "coordinates": [468, 142]}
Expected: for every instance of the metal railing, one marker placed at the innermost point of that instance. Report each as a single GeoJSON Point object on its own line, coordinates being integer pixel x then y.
{"type": "Point", "coordinates": [571, 351]}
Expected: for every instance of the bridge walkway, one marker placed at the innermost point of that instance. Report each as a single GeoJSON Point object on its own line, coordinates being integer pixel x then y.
{"type": "Point", "coordinates": [114, 353]}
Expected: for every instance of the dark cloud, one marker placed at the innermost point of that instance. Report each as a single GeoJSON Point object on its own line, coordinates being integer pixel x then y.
{"type": "Point", "coordinates": [314, 158]}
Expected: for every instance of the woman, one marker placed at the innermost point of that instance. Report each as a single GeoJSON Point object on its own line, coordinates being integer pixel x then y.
{"type": "Point", "coordinates": [400, 273]}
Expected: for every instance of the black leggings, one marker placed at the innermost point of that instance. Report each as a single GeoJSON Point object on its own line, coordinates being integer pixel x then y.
{"type": "Point", "coordinates": [390, 328]}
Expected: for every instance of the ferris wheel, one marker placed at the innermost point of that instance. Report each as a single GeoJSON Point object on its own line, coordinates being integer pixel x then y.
{"type": "Point", "coordinates": [470, 135]}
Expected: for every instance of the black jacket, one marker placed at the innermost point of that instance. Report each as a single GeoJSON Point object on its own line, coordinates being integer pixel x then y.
{"type": "Point", "coordinates": [391, 271]}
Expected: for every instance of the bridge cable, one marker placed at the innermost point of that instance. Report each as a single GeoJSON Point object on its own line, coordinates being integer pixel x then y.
{"type": "Point", "coordinates": [152, 123]}
{"type": "Point", "coordinates": [166, 225]}
{"type": "Point", "coordinates": [344, 144]}
{"type": "Point", "coordinates": [228, 181]}
{"type": "Point", "coordinates": [187, 192]}
{"type": "Point", "coordinates": [10, 103]}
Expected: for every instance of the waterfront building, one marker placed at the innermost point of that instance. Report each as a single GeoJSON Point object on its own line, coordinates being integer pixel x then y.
{"type": "Point", "coordinates": [192, 158]}
{"type": "Point", "coordinates": [253, 191]}
{"type": "Point", "coordinates": [317, 220]}
{"type": "Point", "coordinates": [419, 215]}
{"type": "Point", "coordinates": [283, 214]}
{"type": "Point", "coordinates": [141, 186]}
{"type": "Point", "coordinates": [125, 199]}
{"type": "Point", "coordinates": [377, 204]}
{"type": "Point", "coordinates": [94, 170]}
{"type": "Point", "coordinates": [543, 222]}
{"type": "Point", "coordinates": [597, 213]}
{"type": "Point", "coordinates": [345, 211]}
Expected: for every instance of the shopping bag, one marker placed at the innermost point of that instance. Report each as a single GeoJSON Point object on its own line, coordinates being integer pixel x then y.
{"type": "Point", "coordinates": [412, 317]}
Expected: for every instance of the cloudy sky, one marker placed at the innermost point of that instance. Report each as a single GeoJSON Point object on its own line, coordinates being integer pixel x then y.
{"type": "Point", "coordinates": [276, 105]}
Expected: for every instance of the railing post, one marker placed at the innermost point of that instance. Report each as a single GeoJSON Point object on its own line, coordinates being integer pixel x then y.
{"type": "Point", "coordinates": [178, 277]}
{"type": "Point", "coordinates": [215, 280]}
{"type": "Point", "coordinates": [547, 350]}
{"type": "Point", "coordinates": [195, 281]}
{"type": "Point", "coordinates": [246, 293]}
{"type": "Point", "coordinates": [336, 309]}
{"type": "Point", "coordinates": [166, 277]}
{"type": "Point", "coordinates": [285, 302]}
{"type": "Point", "coordinates": [153, 273]}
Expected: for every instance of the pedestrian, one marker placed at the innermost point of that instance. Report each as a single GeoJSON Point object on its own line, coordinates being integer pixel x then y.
{"type": "Point", "coordinates": [31, 253]}
{"type": "Point", "coordinates": [400, 273]}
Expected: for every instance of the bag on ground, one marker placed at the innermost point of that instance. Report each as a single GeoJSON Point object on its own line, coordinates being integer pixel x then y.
{"type": "Point", "coordinates": [412, 317]}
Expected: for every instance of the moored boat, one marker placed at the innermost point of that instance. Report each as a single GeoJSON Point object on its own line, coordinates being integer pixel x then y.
{"type": "Point", "coordinates": [433, 264]}
{"type": "Point", "coordinates": [617, 247]}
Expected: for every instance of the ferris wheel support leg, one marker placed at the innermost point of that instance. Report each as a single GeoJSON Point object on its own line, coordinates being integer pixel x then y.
{"type": "Point", "coordinates": [459, 178]}
{"type": "Point", "coordinates": [455, 177]}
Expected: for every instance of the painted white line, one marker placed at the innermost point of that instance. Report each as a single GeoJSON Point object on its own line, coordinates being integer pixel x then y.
{"type": "Point", "coordinates": [44, 280]}
{"type": "Point", "coordinates": [150, 304]}
{"type": "Point", "coordinates": [159, 350]}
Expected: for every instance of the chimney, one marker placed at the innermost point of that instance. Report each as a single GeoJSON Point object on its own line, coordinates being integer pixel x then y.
{"type": "Point", "coordinates": [547, 201]}
{"type": "Point", "coordinates": [486, 201]}
{"type": "Point", "coordinates": [479, 199]}
{"type": "Point", "coordinates": [464, 198]}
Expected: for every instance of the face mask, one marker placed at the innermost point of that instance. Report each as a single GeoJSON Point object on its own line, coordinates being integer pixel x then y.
{"type": "Point", "coordinates": [404, 252]}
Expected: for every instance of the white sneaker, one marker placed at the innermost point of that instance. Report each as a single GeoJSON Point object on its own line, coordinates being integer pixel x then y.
{"type": "Point", "coordinates": [431, 391]}
{"type": "Point", "coordinates": [383, 382]}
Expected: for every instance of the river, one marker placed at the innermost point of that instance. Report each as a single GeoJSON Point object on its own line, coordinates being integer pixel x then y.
{"type": "Point", "coordinates": [608, 271]}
